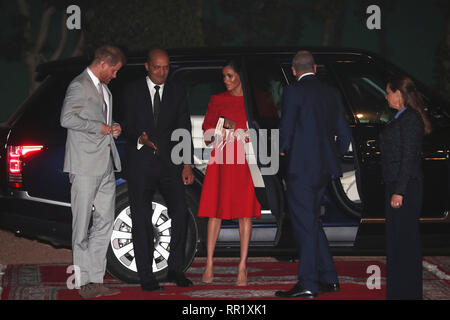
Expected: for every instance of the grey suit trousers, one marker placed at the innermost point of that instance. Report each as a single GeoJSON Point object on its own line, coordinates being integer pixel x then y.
{"type": "Point", "coordinates": [89, 245]}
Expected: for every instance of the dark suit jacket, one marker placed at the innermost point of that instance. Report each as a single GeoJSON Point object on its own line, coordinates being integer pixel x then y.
{"type": "Point", "coordinates": [401, 147]}
{"type": "Point", "coordinates": [312, 117]}
{"type": "Point", "coordinates": [174, 114]}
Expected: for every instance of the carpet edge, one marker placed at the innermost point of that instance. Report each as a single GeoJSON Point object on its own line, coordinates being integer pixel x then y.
{"type": "Point", "coordinates": [2, 272]}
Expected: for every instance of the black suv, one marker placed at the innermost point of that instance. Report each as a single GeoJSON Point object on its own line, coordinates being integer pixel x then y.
{"type": "Point", "coordinates": [35, 193]}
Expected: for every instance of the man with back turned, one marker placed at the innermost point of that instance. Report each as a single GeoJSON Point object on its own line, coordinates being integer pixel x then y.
{"type": "Point", "coordinates": [312, 118]}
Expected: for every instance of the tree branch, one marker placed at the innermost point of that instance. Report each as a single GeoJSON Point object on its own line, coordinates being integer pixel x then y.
{"type": "Point", "coordinates": [62, 40]}
{"type": "Point", "coordinates": [79, 47]}
{"type": "Point", "coordinates": [43, 32]}
{"type": "Point", "coordinates": [25, 11]}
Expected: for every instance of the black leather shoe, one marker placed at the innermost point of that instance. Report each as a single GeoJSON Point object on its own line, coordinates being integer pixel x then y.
{"type": "Point", "coordinates": [151, 286]}
{"type": "Point", "coordinates": [179, 278]}
{"type": "Point", "coordinates": [296, 292]}
{"type": "Point", "coordinates": [329, 287]}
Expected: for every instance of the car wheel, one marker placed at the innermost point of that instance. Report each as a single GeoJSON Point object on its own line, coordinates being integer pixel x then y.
{"type": "Point", "coordinates": [121, 262]}
{"type": "Point", "coordinates": [343, 198]}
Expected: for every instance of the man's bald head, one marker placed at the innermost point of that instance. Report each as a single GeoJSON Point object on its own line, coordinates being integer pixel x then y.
{"type": "Point", "coordinates": [157, 66]}
{"type": "Point", "coordinates": [156, 53]}
{"type": "Point", "coordinates": [303, 62]}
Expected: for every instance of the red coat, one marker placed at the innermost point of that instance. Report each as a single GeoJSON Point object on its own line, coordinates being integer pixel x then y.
{"type": "Point", "coordinates": [228, 191]}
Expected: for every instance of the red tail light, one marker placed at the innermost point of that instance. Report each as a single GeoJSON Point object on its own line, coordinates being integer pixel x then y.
{"type": "Point", "coordinates": [16, 154]}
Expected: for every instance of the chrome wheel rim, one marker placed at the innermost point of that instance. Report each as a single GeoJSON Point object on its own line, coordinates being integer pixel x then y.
{"type": "Point", "coordinates": [122, 239]}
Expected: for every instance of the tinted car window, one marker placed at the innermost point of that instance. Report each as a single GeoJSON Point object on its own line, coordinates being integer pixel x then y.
{"type": "Point", "coordinates": [43, 108]}
{"type": "Point", "coordinates": [200, 85]}
{"type": "Point", "coordinates": [266, 85]}
{"type": "Point", "coordinates": [125, 75]}
{"type": "Point", "coordinates": [365, 88]}
{"type": "Point", "coordinates": [322, 73]}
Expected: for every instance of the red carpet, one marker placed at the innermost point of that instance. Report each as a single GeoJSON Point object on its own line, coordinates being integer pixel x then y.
{"type": "Point", "coordinates": [265, 276]}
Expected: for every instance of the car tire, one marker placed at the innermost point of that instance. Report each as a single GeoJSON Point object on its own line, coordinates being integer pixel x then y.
{"type": "Point", "coordinates": [120, 256]}
{"type": "Point", "coordinates": [350, 208]}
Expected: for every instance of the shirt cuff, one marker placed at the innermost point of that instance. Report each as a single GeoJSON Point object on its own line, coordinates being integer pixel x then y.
{"type": "Point", "coordinates": [139, 145]}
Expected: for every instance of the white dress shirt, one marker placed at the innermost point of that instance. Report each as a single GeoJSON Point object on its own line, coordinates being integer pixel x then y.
{"type": "Point", "coordinates": [152, 90]}
{"type": "Point", "coordinates": [105, 91]}
{"type": "Point", "coordinates": [305, 74]}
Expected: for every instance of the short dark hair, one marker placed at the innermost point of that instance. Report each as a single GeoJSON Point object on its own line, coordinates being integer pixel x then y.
{"type": "Point", "coordinates": [303, 61]}
{"type": "Point", "coordinates": [110, 54]}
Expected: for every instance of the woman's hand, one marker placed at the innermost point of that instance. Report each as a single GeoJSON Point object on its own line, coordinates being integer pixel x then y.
{"type": "Point", "coordinates": [396, 201]}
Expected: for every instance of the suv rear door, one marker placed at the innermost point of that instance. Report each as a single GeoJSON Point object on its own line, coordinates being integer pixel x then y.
{"type": "Point", "coordinates": [268, 74]}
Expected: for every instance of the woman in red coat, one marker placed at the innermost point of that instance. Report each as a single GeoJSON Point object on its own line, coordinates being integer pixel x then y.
{"type": "Point", "coordinates": [228, 191]}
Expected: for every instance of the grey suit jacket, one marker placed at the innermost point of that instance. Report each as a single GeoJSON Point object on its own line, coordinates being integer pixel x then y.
{"type": "Point", "coordinates": [87, 150]}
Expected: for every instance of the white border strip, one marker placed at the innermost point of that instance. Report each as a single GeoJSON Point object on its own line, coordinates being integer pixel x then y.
{"type": "Point", "coordinates": [435, 270]}
{"type": "Point", "coordinates": [2, 272]}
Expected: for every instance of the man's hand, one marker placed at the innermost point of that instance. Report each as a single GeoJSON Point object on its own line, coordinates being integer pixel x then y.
{"type": "Point", "coordinates": [143, 139]}
{"type": "Point", "coordinates": [105, 129]}
{"type": "Point", "coordinates": [187, 175]}
{"type": "Point", "coordinates": [116, 130]}
{"type": "Point", "coordinates": [396, 201]}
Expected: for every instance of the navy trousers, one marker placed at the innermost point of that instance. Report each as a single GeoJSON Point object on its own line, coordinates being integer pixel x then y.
{"type": "Point", "coordinates": [316, 263]}
{"type": "Point", "coordinates": [403, 244]}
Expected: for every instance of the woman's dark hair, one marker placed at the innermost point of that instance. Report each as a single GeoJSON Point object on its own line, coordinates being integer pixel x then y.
{"type": "Point", "coordinates": [411, 97]}
{"type": "Point", "coordinates": [234, 64]}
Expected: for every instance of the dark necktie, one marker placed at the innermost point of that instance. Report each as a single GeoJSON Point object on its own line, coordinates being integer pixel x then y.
{"type": "Point", "coordinates": [156, 104]}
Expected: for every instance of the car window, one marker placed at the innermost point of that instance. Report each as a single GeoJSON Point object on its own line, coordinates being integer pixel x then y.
{"type": "Point", "coordinates": [268, 76]}
{"type": "Point", "coordinates": [322, 73]}
{"type": "Point", "coordinates": [437, 108]}
{"type": "Point", "coordinates": [200, 84]}
{"type": "Point", "coordinates": [266, 80]}
{"type": "Point", "coordinates": [43, 108]}
{"type": "Point", "coordinates": [365, 87]}
{"type": "Point", "coordinates": [127, 74]}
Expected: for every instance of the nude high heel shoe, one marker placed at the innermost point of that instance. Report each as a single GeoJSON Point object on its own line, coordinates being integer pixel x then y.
{"type": "Point", "coordinates": [207, 278]}
{"type": "Point", "coordinates": [241, 281]}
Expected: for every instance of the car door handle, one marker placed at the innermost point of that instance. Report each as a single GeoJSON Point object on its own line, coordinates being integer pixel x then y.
{"type": "Point", "coordinates": [371, 143]}
{"type": "Point", "coordinates": [349, 156]}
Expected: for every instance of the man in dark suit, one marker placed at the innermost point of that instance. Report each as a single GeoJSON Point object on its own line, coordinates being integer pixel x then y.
{"type": "Point", "coordinates": [154, 109]}
{"type": "Point", "coordinates": [312, 118]}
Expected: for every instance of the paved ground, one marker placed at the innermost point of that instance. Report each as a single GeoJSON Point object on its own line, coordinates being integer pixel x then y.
{"type": "Point", "coordinates": [18, 250]}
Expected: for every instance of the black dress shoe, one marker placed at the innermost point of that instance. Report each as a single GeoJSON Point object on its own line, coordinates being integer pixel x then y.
{"type": "Point", "coordinates": [296, 292]}
{"type": "Point", "coordinates": [179, 278]}
{"type": "Point", "coordinates": [151, 286]}
{"type": "Point", "coordinates": [329, 287]}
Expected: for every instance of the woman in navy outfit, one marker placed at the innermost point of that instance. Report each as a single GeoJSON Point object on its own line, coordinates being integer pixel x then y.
{"type": "Point", "coordinates": [401, 148]}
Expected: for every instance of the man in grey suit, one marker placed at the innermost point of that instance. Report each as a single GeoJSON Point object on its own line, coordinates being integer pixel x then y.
{"type": "Point", "coordinates": [90, 159]}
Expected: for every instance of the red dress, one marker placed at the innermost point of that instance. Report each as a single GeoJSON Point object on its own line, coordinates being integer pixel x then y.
{"type": "Point", "coordinates": [228, 191]}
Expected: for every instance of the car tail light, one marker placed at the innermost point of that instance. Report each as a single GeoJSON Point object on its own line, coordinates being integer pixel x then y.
{"type": "Point", "coordinates": [16, 154]}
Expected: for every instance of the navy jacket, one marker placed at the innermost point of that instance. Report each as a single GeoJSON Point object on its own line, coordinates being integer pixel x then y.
{"type": "Point", "coordinates": [401, 148]}
{"type": "Point", "coordinates": [313, 130]}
